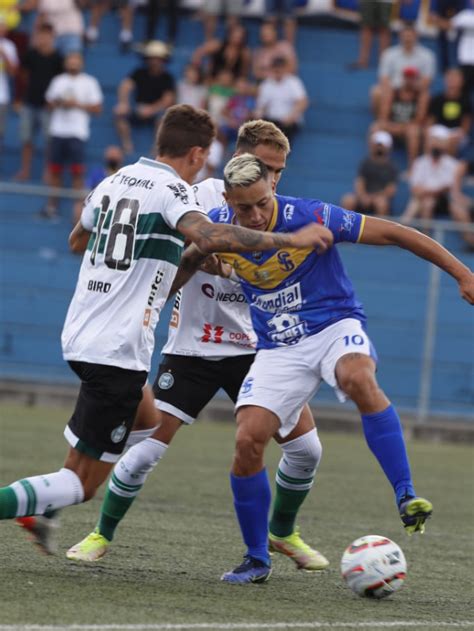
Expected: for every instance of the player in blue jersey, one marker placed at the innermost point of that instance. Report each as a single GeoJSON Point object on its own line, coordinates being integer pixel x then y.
{"type": "Point", "coordinates": [310, 327]}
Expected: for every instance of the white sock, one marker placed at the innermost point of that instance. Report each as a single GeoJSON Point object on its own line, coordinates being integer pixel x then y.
{"type": "Point", "coordinates": [137, 436]}
{"type": "Point", "coordinates": [299, 462]}
{"type": "Point", "coordinates": [49, 492]}
{"type": "Point", "coordinates": [132, 469]}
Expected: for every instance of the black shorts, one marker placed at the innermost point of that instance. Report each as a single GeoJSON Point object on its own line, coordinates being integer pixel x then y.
{"type": "Point", "coordinates": [185, 385]}
{"type": "Point", "coordinates": [105, 409]}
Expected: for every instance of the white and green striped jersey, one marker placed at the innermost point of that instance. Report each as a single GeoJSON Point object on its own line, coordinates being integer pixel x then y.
{"type": "Point", "coordinates": [129, 265]}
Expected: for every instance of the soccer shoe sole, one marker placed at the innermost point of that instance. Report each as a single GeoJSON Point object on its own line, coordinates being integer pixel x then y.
{"type": "Point", "coordinates": [419, 510]}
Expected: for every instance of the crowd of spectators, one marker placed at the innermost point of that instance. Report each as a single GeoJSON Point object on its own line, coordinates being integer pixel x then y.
{"type": "Point", "coordinates": [42, 78]}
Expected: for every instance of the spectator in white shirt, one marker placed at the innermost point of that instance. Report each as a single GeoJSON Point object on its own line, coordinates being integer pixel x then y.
{"type": "Point", "coordinates": [282, 98]}
{"type": "Point", "coordinates": [463, 22]}
{"type": "Point", "coordinates": [8, 68]}
{"type": "Point", "coordinates": [72, 96]}
{"type": "Point", "coordinates": [407, 54]}
{"type": "Point", "coordinates": [434, 183]}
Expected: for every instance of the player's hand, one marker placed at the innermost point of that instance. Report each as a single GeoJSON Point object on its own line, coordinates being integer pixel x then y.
{"type": "Point", "coordinates": [466, 288]}
{"type": "Point", "coordinates": [313, 236]}
{"type": "Point", "coordinates": [215, 266]}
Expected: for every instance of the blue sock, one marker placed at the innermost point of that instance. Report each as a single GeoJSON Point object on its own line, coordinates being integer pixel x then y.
{"type": "Point", "coordinates": [252, 498]}
{"type": "Point", "coordinates": [384, 436]}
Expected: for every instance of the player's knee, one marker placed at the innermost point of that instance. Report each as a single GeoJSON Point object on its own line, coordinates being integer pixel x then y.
{"type": "Point", "coordinates": [359, 383]}
{"type": "Point", "coordinates": [248, 448]}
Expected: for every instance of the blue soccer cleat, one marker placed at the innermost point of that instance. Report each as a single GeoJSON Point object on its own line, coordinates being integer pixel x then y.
{"type": "Point", "coordinates": [414, 511]}
{"type": "Point", "coordinates": [250, 571]}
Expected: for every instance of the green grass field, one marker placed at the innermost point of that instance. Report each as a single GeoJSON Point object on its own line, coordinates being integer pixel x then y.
{"type": "Point", "coordinates": [181, 535]}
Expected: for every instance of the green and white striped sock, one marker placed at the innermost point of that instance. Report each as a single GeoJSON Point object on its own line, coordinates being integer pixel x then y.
{"type": "Point", "coordinates": [127, 479]}
{"type": "Point", "coordinates": [40, 494]}
{"type": "Point", "coordinates": [294, 479]}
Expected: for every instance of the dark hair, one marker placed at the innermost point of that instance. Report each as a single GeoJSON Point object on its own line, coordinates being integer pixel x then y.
{"type": "Point", "coordinates": [183, 127]}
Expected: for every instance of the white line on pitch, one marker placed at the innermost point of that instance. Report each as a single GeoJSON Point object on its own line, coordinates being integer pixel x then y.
{"type": "Point", "coordinates": [225, 626]}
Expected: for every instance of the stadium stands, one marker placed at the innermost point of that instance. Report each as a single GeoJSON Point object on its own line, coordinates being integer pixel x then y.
{"type": "Point", "coordinates": [37, 274]}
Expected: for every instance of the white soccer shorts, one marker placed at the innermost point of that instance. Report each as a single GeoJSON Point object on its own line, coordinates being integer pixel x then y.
{"type": "Point", "coordinates": [285, 378]}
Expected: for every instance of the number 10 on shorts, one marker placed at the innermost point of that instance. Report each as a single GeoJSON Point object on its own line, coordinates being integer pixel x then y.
{"type": "Point", "coordinates": [355, 340]}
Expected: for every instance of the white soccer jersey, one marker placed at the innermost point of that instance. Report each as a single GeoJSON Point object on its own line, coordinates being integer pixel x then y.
{"type": "Point", "coordinates": [211, 316]}
{"type": "Point", "coordinates": [128, 268]}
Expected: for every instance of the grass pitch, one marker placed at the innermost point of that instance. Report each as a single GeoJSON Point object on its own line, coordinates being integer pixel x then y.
{"type": "Point", "coordinates": [181, 534]}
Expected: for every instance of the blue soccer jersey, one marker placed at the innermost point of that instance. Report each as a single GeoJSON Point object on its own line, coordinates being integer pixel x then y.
{"type": "Point", "coordinates": [294, 293]}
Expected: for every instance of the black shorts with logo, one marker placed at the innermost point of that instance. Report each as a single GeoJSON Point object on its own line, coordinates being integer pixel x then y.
{"type": "Point", "coordinates": [105, 409]}
{"type": "Point", "coordinates": [185, 385]}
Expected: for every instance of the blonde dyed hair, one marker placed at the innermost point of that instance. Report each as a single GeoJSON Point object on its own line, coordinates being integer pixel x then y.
{"type": "Point", "coordinates": [243, 171]}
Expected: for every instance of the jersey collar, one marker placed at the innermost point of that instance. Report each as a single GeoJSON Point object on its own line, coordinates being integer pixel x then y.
{"type": "Point", "coordinates": [158, 165]}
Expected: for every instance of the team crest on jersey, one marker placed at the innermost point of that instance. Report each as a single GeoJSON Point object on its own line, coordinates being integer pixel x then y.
{"type": "Point", "coordinates": [118, 433]}
{"type": "Point", "coordinates": [288, 328]}
{"type": "Point", "coordinates": [179, 191]}
{"type": "Point", "coordinates": [166, 381]}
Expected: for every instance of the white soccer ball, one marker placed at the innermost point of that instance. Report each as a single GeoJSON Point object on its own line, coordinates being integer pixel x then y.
{"type": "Point", "coordinates": [374, 566]}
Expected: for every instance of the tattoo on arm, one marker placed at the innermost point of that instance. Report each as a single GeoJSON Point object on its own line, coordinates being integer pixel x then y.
{"type": "Point", "coordinates": [211, 237]}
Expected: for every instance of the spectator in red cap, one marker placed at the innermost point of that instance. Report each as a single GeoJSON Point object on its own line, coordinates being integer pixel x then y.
{"type": "Point", "coordinates": [407, 54]}
{"type": "Point", "coordinates": [402, 111]}
{"type": "Point", "coordinates": [376, 181]}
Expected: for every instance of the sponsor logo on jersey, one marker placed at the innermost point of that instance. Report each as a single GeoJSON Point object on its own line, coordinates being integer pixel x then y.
{"type": "Point", "coordinates": [212, 333]}
{"type": "Point", "coordinates": [348, 219]}
{"type": "Point", "coordinates": [166, 381]}
{"type": "Point", "coordinates": [179, 191]}
{"type": "Point", "coordinates": [99, 286]}
{"type": "Point", "coordinates": [322, 215]}
{"type": "Point", "coordinates": [246, 387]}
{"type": "Point", "coordinates": [118, 433]}
{"type": "Point", "coordinates": [288, 212]}
{"type": "Point", "coordinates": [221, 296]}
{"type": "Point", "coordinates": [174, 319]}
{"type": "Point", "coordinates": [128, 180]}
{"type": "Point", "coordinates": [288, 328]}
{"type": "Point", "coordinates": [288, 299]}
{"type": "Point", "coordinates": [155, 285]}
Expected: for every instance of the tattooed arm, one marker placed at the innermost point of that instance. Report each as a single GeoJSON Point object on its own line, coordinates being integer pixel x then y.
{"type": "Point", "coordinates": [189, 264]}
{"type": "Point", "coordinates": [219, 237]}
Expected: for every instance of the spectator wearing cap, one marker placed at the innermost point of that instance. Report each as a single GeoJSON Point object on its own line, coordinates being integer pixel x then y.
{"type": "Point", "coordinates": [282, 98]}
{"type": "Point", "coordinates": [8, 68]}
{"type": "Point", "coordinates": [72, 97]}
{"type": "Point", "coordinates": [154, 91]}
{"type": "Point", "coordinates": [376, 181]}
{"type": "Point", "coordinates": [434, 184]}
{"type": "Point", "coordinates": [407, 54]}
{"type": "Point", "coordinates": [403, 110]}
{"type": "Point", "coordinates": [270, 48]}
{"type": "Point", "coordinates": [40, 65]}
{"type": "Point", "coordinates": [452, 109]}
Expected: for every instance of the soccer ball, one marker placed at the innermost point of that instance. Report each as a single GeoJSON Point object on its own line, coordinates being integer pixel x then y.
{"type": "Point", "coordinates": [373, 566]}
